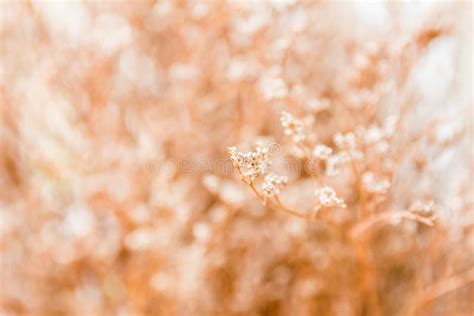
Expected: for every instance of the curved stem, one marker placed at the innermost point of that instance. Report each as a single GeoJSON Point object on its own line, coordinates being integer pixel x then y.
{"type": "Point", "coordinates": [360, 191]}
{"type": "Point", "coordinates": [384, 218]}
{"type": "Point", "coordinates": [254, 189]}
{"type": "Point", "coordinates": [302, 214]}
{"type": "Point", "coordinates": [279, 205]}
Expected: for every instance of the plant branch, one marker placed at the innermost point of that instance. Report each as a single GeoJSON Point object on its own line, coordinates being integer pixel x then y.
{"type": "Point", "coordinates": [360, 229]}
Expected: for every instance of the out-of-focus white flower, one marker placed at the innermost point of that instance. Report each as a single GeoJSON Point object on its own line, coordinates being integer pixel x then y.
{"type": "Point", "coordinates": [162, 282]}
{"type": "Point", "coordinates": [273, 88]}
{"type": "Point", "coordinates": [327, 197]}
{"type": "Point", "coordinates": [322, 152]}
{"type": "Point", "coordinates": [211, 182]}
{"type": "Point", "coordinates": [348, 143]}
{"type": "Point", "coordinates": [79, 220]}
{"type": "Point", "coordinates": [201, 232]}
{"type": "Point", "coordinates": [423, 207]}
{"type": "Point", "coordinates": [317, 105]}
{"type": "Point", "coordinates": [345, 141]}
{"type": "Point", "coordinates": [140, 239]}
{"type": "Point", "coordinates": [200, 10]}
{"type": "Point", "coordinates": [183, 72]}
{"type": "Point", "coordinates": [334, 162]}
{"type": "Point", "coordinates": [375, 184]}
{"type": "Point", "coordinates": [292, 127]}
{"type": "Point", "coordinates": [140, 214]}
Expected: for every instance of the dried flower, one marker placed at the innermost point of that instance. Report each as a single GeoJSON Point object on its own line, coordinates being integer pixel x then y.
{"type": "Point", "coordinates": [375, 184]}
{"type": "Point", "coordinates": [272, 85]}
{"type": "Point", "coordinates": [327, 197]}
{"type": "Point", "coordinates": [377, 137]}
{"type": "Point", "coordinates": [334, 162]}
{"type": "Point", "coordinates": [236, 157]}
{"type": "Point", "coordinates": [317, 105]}
{"type": "Point", "coordinates": [251, 164]}
{"type": "Point", "coordinates": [211, 182]}
{"type": "Point", "coordinates": [136, 217]}
{"type": "Point", "coordinates": [372, 135]}
{"type": "Point", "coordinates": [345, 141]}
{"type": "Point", "coordinates": [272, 184]}
{"type": "Point", "coordinates": [292, 127]}
{"type": "Point", "coordinates": [140, 239]}
{"type": "Point", "coordinates": [348, 143]}
{"type": "Point", "coordinates": [424, 208]}
{"type": "Point", "coordinates": [322, 152]}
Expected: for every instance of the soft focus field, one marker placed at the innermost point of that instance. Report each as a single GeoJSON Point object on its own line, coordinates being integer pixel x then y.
{"type": "Point", "coordinates": [236, 158]}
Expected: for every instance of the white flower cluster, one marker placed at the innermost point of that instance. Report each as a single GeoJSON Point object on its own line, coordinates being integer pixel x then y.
{"type": "Point", "coordinates": [334, 162]}
{"type": "Point", "coordinates": [292, 127]}
{"type": "Point", "coordinates": [345, 141]}
{"type": "Point", "coordinates": [375, 184]}
{"type": "Point", "coordinates": [272, 85]}
{"type": "Point", "coordinates": [348, 144]}
{"type": "Point", "coordinates": [327, 197]}
{"type": "Point", "coordinates": [424, 208]}
{"type": "Point", "coordinates": [251, 164]}
{"type": "Point", "coordinates": [272, 184]}
{"type": "Point", "coordinates": [377, 137]}
{"type": "Point", "coordinates": [322, 152]}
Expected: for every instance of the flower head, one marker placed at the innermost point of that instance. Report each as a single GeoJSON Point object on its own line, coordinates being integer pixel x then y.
{"type": "Point", "coordinates": [251, 164]}
{"type": "Point", "coordinates": [322, 152]}
{"type": "Point", "coordinates": [375, 184]}
{"type": "Point", "coordinates": [345, 141]}
{"type": "Point", "coordinates": [334, 163]}
{"type": "Point", "coordinates": [426, 209]}
{"type": "Point", "coordinates": [327, 197]}
{"type": "Point", "coordinates": [272, 184]}
{"type": "Point", "coordinates": [348, 144]}
{"type": "Point", "coordinates": [292, 127]}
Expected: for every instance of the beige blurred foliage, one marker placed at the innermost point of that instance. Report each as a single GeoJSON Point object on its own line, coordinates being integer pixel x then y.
{"type": "Point", "coordinates": [118, 197]}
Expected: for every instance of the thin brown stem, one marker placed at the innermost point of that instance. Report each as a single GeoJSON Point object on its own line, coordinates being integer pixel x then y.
{"type": "Point", "coordinates": [302, 214]}
{"type": "Point", "coordinates": [385, 218]}
{"type": "Point", "coordinates": [279, 205]}
{"type": "Point", "coordinates": [254, 189]}
{"type": "Point", "coordinates": [368, 284]}
{"type": "Point", "coordinates": [360, 191]}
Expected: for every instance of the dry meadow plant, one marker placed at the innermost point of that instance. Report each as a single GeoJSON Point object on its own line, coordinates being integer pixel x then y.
{"type": "Point", "coordinates": [237, 157]}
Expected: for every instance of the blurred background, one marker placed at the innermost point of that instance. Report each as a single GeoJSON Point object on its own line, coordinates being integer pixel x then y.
{"type": "Point", "coordinates": [117, 196]}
